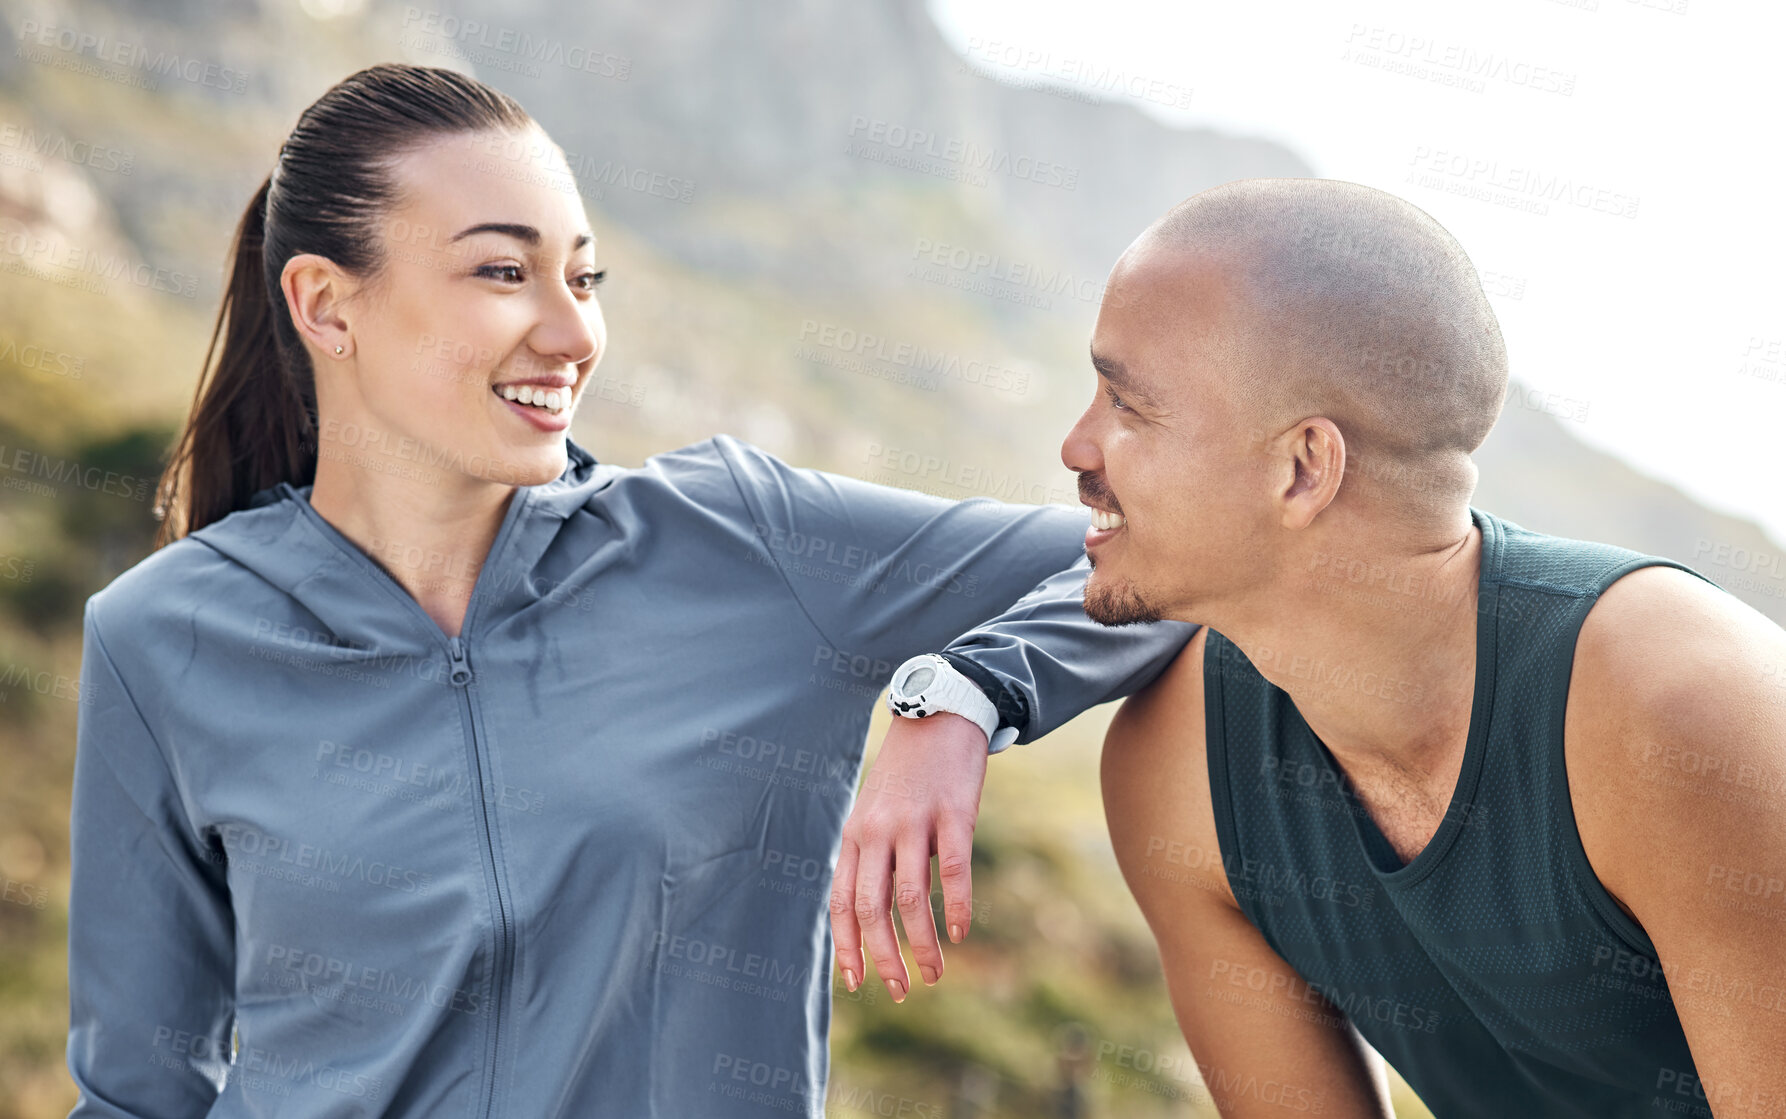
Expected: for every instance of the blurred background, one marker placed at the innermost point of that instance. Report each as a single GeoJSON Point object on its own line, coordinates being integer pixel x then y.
{"type": "Point", "coordinates": [871, 238]}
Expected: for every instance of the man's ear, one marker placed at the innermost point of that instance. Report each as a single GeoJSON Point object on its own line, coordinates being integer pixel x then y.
{"type": "Point", "coordinates": [1315, 455]}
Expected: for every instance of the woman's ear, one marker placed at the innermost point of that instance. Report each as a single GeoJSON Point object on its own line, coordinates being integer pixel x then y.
{"type": "Point", "coordinates": [316, 293]}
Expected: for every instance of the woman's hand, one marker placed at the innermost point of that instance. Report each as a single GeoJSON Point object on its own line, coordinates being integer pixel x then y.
{"type": "Point", "coordinates": [920, 798]}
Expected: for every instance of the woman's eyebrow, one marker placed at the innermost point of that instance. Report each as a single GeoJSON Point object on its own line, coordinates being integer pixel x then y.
{"type": "Point", "coordinates": [518, 231]}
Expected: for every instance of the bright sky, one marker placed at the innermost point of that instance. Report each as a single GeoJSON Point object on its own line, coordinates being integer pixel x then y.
{"type": "Point", "coordinates": [1662, 333]}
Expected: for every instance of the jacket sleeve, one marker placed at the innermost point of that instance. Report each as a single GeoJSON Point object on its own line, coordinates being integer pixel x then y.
{"type": "Point", "coordinates": [885, 573]}
{"type": "Point", "coordinates": [1042, 661]}
{"type": "Point", "coordinates": [150, 929]}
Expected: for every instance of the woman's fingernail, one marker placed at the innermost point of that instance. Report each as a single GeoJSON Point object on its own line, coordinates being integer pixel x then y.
{"type": "Point", "coordinates": [896, 989]}
{"type": "Point", "coordinates": [849, 979]}
{"type": "Point", "coordinates": [955, 933]}
{"type": "Point", "coordinates": [929, 974]}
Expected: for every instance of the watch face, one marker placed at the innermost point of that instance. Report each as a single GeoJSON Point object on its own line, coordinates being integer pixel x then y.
{"type": "Point", "coordinates": [920, 678]}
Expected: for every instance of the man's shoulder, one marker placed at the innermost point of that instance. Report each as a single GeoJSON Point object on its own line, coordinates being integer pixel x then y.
{"type": "Point", "coordinates": [1673, 687]}
{"type": "Point", "coordinates": [1157, 796]}
{"type": "Point", "coordinates": [1671, 651]}
{"type": "Point", "coordinates": [1167, 714]}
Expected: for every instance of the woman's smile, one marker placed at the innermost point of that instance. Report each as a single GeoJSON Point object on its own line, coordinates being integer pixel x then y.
{"type": "Point", "coordinates": [546, 408]}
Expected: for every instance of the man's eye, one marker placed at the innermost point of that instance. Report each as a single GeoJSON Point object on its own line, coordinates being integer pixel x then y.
{"type": "Point", "coordinates": [1115, 400]}
{"type": "Point", "coordinates": [490, 270]}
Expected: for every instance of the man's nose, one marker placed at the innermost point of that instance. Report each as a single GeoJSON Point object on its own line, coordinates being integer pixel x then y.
{"type": "Point", "coordinates": [1079, 452]}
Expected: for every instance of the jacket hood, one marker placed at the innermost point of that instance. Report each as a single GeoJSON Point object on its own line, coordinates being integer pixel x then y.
{"type": "Point", "coordinates": [282, 540]}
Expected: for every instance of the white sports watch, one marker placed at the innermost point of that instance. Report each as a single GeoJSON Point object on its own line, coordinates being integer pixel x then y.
{"type": "Point", "coordinates": [928, 683]}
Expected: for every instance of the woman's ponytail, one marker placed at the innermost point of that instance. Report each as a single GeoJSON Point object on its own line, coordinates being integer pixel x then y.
{"type": "Point", "coordinates": [252, 425]}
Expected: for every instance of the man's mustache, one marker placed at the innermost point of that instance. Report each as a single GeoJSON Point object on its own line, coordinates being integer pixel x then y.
{"type": "Point", "coordinates": [1093, 491]}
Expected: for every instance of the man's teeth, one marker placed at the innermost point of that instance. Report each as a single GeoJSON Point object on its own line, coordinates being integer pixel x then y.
{"type": "Point", "coordinates": [552, 400]}
{"type": "Point", "coordinates": [1103, 521]}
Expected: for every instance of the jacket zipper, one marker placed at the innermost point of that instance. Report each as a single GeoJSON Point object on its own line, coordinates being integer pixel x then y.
{"type": "Point", "coordinates": [461, 677]}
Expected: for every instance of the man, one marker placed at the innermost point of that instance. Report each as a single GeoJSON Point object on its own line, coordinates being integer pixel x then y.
{"type": "Point", "coordinates": [1418, 779]}
{"type": "Point", "coordinates": [1490, 801]}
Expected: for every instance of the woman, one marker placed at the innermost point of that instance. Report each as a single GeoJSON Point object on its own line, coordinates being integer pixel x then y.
{"type": "Point", "coordinates": [433, 767]}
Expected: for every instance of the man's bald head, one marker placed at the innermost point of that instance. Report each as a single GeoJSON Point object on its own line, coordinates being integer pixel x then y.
{"type": "Point", "coordinates": [1349, 303]}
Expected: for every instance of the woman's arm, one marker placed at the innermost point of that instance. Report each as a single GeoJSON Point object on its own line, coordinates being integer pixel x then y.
{"type": "Point", "coordinates": [150, 931]}
{"type": "Point", "coordinates": [884, 574]}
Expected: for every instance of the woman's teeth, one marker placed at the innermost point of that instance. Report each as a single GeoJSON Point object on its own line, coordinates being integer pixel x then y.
{"type": "Point", "coordinates": [1104, 521]}
{"type": "Point", "coordinates": [551, 400]}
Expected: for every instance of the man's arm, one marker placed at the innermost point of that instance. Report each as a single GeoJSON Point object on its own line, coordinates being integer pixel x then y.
{"type": "Point", "coordinates": [1675, 740]}
{"type": "Point", "coordinates": [1242, 1008]}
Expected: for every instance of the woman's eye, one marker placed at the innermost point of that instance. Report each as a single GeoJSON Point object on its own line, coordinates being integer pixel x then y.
{"type": "Point", "coordinates": [1115, 400]}
{"type": "Point", "coordinates": [511, 273]}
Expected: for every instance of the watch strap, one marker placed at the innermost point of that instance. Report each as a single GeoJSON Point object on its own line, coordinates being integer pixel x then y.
{"type": "Point", "coordinates": [954, 691]}
{"type": "Point", "coordinates": [1013, 708]}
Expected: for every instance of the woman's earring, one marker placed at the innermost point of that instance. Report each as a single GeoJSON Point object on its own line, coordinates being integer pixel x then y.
{"type": "Point", "coordinates": [337, 348]}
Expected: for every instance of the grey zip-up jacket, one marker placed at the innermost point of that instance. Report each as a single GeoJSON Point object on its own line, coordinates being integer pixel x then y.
{"type": "Point", "coordinates": [574, 861]}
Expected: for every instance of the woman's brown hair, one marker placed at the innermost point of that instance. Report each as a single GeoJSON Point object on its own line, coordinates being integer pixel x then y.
{"type": "Point", "coordinates": [253, 421]}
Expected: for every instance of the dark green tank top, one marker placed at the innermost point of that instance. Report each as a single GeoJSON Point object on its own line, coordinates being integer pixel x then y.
{"type": "Point", "coordinates": [1494, 972]}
